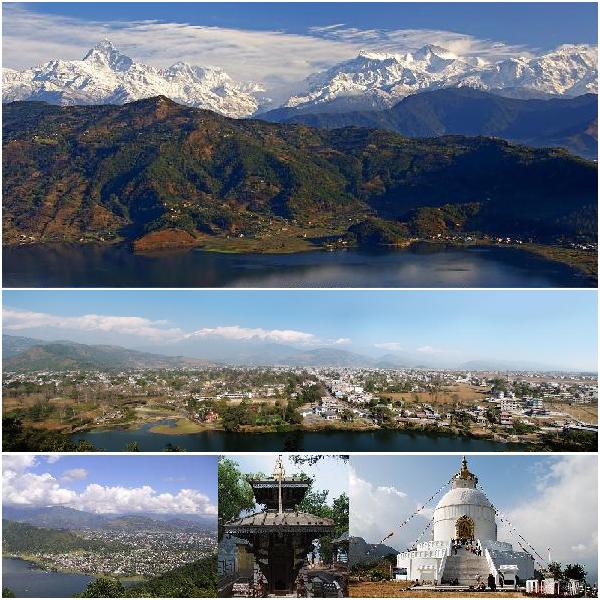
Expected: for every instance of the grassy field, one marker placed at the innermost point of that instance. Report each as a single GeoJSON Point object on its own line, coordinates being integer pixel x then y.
{"type": "Point", "coordinates": [461, 393]}
{"type": "Point", "coordinates": [399, 589]}
{"type": "Point", "coordinates": [581, 412]}
{"type": "Point", "coordinates": [181, 427]}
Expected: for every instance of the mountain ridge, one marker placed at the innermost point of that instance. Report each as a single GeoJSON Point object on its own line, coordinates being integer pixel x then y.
{"type": "Point", "coordinates": [156, 166]}
{"type": "Point", "coordinates": [571, 123]}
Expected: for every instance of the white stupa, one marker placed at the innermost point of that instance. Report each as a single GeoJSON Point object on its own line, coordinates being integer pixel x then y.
{"type": "Point", "coordinates": [465, 513]}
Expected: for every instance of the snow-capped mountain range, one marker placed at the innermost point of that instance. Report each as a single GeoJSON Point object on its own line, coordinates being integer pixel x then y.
{"type": "Point", "coordinates": [380, 80]}
{"type": "Point", "coordinates": [372, 79]}
{"type": "Point", "coordinates": [106, 76]}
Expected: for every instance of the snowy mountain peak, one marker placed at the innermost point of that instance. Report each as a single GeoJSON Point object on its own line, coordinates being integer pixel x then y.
{"type": "Point", "coordinates": [430, 50]}
{"type": "Point", "coordinates": [378, 79]}
{"type": "Point", "coordinates": [107, 76]}
{"type": "Point", "coordinates": [104, 54]}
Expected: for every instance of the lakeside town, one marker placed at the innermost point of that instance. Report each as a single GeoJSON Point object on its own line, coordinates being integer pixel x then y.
{"type": "Point", "coordinates": [513, 406]}
{"type": "Point", "coordinates": [137, 553]}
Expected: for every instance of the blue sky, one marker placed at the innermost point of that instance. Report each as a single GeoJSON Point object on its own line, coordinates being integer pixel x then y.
{"type": "Point", "coordinates": [113, 484]}
{"type": "Point", "coordinates": [536, 25]}
{"type": "Point", "coordinates": [280, 44]}
{"type": "Point", "coordinates": [552, 501]}
{"type": "Point", "coordinates": [552, 328]}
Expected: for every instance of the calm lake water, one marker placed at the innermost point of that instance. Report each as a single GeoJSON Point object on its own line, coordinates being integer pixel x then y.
{"type": "Point", "coordinates": [28, 581]}
{"type": "Point", "coordinates": [310, 441]}
{"type": "Point", "coordinates": [64, 265]}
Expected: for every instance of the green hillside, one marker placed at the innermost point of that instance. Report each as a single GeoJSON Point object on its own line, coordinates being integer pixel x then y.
{"type": "Point", "coordinates": [119, 172]}
{"type": "Point", "coordinates": [195, 580]}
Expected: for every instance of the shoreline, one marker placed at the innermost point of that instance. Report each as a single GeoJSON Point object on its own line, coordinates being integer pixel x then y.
{"type": "Point", "coordinates": [580, 261]}
{"type": "Point", "coordinates": [44, 567]}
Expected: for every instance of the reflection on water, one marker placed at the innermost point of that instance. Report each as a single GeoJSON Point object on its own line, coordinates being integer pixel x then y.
{"type": "Point", "coordinates": [309, 441]}
{"type": "Point", "coordinates": [64, 265]}
{"type": "Point", "coordinates": [28, 581]}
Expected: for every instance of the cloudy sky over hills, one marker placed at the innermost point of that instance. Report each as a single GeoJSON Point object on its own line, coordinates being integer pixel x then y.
{"type": "Point", "coordinates": [538, 502]}
{"type": "Point", "coordinates": [449, 326]}
{"type": "Point", "coordinates": [112, 484]}
{"type": "Point", "coordinates": [281, 45]}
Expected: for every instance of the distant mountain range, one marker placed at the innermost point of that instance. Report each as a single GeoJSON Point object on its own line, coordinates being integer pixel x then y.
{"type": "Point", "coordinates": [154, 166]}
{"type": "Point", "coordinates": [370, 80]}
{"type": "Point", "coordinates": [63, 517]}
{"type": "Point", "coordinates": [362, 552]}
{"type": "Point", "coordinates": [26, 354]}
{"type": "Point", "coordinates": [29, 355]}
{"type": "Point", "coordinates": [107, 76]}
{"type": "Point", "coordinates": [378, 80]}
{"type": "Point", "coordinates": [570, 123]}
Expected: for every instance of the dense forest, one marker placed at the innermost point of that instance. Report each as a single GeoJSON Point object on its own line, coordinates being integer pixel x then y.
{"type": "Point", "coordinates": [118, 172]}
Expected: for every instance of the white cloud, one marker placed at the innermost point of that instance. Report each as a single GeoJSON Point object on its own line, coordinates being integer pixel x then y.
{"type": "Point", "coordinates": [74, 475]}
{"type": "Point", "coordinates": [564, 515]}
{"type": "Point", "coordinates": [428, 350]}
{"type": "Point", "coordinates": [19, 320]}
{"type": "Point", "coordinates": [341, 341]}
{"type": "Point", "coordinates": [375, 511]}
{"type": "Point", "coordinates": [153, 331]}
{"type": "Point", "coordinates": [403, 40]}
{"type": "Point", "coordinates": [235, 332]}
{"type": "Point", "coordinates": [23, 488]}
{"type": "Point", "coordinates": [391, 346]}
{"type": "Point", "coordinates": [276, 58]}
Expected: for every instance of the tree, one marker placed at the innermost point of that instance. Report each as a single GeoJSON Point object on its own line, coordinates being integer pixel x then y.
{"type": "Point", "coordinates": [104, 587]}
{"type": "Point", "coordinates": [555, 569]}
{"type": "Point", "coordinates": [8, 593]}
{"type": "Point", "coordinates": [235, 493]}
{"type": "Point", "coordinates": [575, 571]}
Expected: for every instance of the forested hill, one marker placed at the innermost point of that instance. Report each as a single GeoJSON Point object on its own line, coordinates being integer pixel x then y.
{"type": "Point", "coordinates": [22, 538]}
{"type": "Point", "coordinates": [71, 173]}
{"type": "Point", "coordinates": [570, 123]}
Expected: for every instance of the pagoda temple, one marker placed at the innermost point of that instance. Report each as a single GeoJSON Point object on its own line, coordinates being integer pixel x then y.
{"type": "Point", "coordinates": [280, 537]}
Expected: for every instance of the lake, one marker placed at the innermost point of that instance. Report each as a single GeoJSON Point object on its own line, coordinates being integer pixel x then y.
{"type": "Point", "coordinates": [26, 580]}
{"type": "Point", "coordinates": [423, 265]}
{"type": "Point", "coordinates": [310, 441]}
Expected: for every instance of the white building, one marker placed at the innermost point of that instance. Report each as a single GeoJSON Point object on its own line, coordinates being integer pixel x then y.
{"type": "Point", "coordinates": [464, 513]}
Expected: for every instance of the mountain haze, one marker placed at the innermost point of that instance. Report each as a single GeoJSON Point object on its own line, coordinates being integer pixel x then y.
{"type": "Point", "coordinates": [66, 355]}
{"type": "Point", "coordinates": [570, 123]}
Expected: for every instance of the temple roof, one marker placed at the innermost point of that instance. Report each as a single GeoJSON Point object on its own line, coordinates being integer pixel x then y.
{"type": "Point", "coordinates": [287, 521]}
{"type": "Point", "coordinates": [266, 491]}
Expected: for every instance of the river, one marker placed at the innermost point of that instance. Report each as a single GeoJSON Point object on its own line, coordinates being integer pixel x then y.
{"type": "Point", "coordinates": [425, 265]}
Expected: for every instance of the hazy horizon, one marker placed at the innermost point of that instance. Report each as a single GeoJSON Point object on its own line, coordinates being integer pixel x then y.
{"type": "Point", "coordinates": [442, 329]}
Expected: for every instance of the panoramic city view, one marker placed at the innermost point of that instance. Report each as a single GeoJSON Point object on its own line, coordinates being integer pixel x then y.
{"type": "Point", "coordinates": [147, 146]}
{"type": "Point", "coordinates": [315, 371]}
{"type": "Point", "coordinates": [106, 526]}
